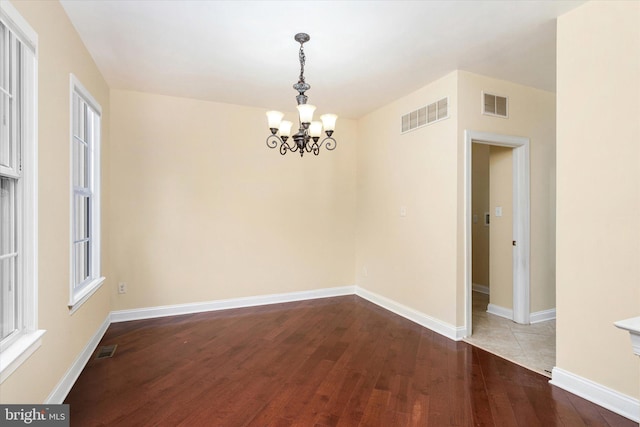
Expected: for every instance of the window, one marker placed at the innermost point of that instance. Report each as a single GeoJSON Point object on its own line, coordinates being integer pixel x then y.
{"type": "Point", "coordinates": [85, 195]}
{"type": "Point", "coordinates": [19, 336]}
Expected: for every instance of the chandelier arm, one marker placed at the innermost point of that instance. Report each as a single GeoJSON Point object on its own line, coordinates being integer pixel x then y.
{"type": "Point", "coordinates": [273, 140]}
{"type": "Point", "coordinates": [331, 143]}
{"type": "Point", "coordinates": [284, 147]}
{"type": "Point", "coordinates": [309, 145]}
{"type": "Point", "coordinates": [315, 148]}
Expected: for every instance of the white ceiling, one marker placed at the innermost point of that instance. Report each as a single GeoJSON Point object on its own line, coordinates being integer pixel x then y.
{"type": "Point", "coordinates": [361, 56]}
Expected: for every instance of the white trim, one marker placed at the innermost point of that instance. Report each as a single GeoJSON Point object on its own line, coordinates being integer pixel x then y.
{"type": "Point", "coordinates": [610, 399]}
{"type": "Point", "coordinates": [84, 295]}
{"type": "Point", "coordinates": [67, 381]}
{"type": "Point", "coordinates": [633, 327]}
{"type": "Point", "coordinates": [542, 316]}
{"type": "Point", "coordinates": [20, 27]}
{"type": "Point", "coordinates": [78, 88]}
{"type": "Point", "coordinates": [480, 288]}
{"type": "Point", "coordinates": [507, 313]}
{"type": "Point", "coordinates": [199, 307]}
{"type": "Point", "coordinates": [521, 221]}
{"type": "Point", "coordinates": [436, 325]}
{"type": "Point", "coordinates": [18, 352]}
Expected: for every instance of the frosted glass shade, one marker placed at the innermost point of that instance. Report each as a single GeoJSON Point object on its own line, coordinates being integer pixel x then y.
{"type": "Point", "coordinates": [306, 112]}
{"type": "Point", "coordinates": [274, 118]}
{"type": "Point", "coordinates": [315, 129]}
{"type": "Point", "coordinates": [329, 121]}
{"type": "Point", "coordinates": [285, 128]}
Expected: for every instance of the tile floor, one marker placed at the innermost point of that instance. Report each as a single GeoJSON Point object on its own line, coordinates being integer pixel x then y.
{"type": "Point", "coordinates": [532, 346]}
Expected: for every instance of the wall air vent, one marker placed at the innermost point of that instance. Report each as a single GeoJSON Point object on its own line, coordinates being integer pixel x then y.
{"type": "Point", "coordinates": [426, 115]}
{"type": "Point", "coordinates": [495, 105]}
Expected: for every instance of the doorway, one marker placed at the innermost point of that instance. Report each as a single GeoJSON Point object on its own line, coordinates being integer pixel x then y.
{"type": "Point", "coordinates": [521, 222]}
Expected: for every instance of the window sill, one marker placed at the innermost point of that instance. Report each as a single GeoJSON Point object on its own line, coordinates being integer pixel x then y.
{"type": "Point", "coordinates": [18, 352]}
{"type": "Point", "coordinates": [82, 296]}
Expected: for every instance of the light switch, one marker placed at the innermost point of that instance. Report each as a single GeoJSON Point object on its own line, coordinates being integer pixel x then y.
{"type": "Point", "coordinates": [498, 211]}
{"type": "Point", "coordinates": [403, 211]}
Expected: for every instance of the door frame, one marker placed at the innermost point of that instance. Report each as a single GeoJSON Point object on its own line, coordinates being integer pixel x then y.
{"type": "Point", "coordinates": [521, 221]}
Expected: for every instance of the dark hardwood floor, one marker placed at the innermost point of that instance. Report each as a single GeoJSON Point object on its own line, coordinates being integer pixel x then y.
{"type": "Point", "coordinates": [328, 362]}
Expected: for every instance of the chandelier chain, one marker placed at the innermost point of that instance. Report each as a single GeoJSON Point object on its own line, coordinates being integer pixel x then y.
{"type": "Point", "coordinates": [302, 62]}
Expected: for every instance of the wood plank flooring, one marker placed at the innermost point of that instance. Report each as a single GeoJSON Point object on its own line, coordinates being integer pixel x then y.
{"type": "Point", "coordinates": [327, 362]}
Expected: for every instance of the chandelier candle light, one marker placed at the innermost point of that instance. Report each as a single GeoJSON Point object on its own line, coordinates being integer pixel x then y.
{"type": "Point", "coordinates": [309, 130]}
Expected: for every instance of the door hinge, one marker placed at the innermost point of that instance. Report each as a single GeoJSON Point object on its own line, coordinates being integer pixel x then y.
{"type": "Point", "coordinates": [513, 242]}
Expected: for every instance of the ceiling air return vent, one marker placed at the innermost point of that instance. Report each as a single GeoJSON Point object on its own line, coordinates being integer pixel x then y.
{"type": "Point", "coordinates": [494, 105]}
{"type": "Point", "coordinates": [426, 115]}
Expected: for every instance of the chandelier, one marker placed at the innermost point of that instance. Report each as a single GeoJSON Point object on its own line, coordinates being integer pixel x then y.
{"type": "Point", "coordinates": [309, 130]}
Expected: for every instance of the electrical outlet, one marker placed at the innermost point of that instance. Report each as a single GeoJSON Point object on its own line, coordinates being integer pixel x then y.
{"type": "Point", "coordinates": [122, 288]}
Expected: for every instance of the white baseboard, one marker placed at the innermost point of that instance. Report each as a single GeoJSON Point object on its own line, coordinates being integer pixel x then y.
{"type": "Point", "coordinates": [615, 401]}
{"type": "Point", "coordinates": [480, 288]}
{"type": "Point", "coordinates": [542, 316]}
{"type": "Point", "coordinates": [199, 307]}
{"type": "Point", "coordinates": [443, 328]}
{"type": "Point", "coordinates": [63, 387]}
{"type": "Point", "coordinates": [507, 313]}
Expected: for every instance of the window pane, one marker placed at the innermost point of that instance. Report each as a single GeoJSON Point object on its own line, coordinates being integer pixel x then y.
{"type": "Point", "coordinates": [80, 114]}
{"type": "Point", "coordinates": [7, 297]}
{"type": "Point", "coordinates": [5, 120]}
{"type": "Point", "coordinates": [4, 98]}
{"type": "Point", "coordinates": [81, 260]}
{"type": "Point", "coordinates": [4, 54]}
{"type": "Point", "coordinates": [81, 217]}
{"type": "Point", "coordinates": [7, 216]}
{"type": "Point", "coordinates": [80, 163]}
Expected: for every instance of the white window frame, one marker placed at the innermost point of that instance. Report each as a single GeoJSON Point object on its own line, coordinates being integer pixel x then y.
{"type": "Point", "coordinates": [19, 346]}
{"type": "Point", "coordinates": [80, 292]}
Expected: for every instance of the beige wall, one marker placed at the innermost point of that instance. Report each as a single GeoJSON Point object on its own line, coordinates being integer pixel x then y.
{"type": "Point", "coordinates": [417, 260]}
{"type": "Point", "coordinates": [410, 259]}
{"type": "Point", "coordinates": [501, 235]}
{"type": "Point", "coordinates": [531, 115]}
{"type": "Point", "coordinates": [598, 243]}
{"type": "Point", "coordinates": [480, 205]}
{"type": "Point", "coordinates": [60, 52]}
{"type": "Point", "coordinates": [203, 210]}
